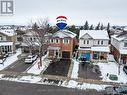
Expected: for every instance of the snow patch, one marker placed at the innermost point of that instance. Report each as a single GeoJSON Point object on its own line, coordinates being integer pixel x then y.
{"type": "Point", "coordinates": [112, 68]}
{"type": "Point", "coordinates": [75, 69]}
{"type": "Point", "coordinates": [10, 59]}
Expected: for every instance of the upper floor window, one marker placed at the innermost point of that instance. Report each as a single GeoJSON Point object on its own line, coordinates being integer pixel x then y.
{"type": "Point", "coordinates": [101, 42]}
{"type": "Point", "coordinates": [125, 44]}
{"type": "Point", "coordinates": [51, 41]}
{"type": "Point", "coordinates": [84, 41]}
{"type": "Point", "coordinates": [57, 41]}
{"type": "Point", "coordinates": [98, 42]}
{"type": "Point", "coordinates": [66, 41]}
{"type": "Point", "coordinates": [1, 38]}
{"type": "Point", "coordinates": [87, 42]}
{"type": "Point", "coordinates": [30, 39]}
{"type": "Point", "coordinates": [34, 39]}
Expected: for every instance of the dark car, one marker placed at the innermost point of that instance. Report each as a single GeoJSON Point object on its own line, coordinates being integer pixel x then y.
{"type": "Point", "coordinates": [116, 90]}
{"type": "Point", "coordinates": [125, 69]}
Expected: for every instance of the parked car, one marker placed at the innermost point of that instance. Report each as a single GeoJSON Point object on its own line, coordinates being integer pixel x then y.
{"type": "Point", "coordinates": [2, 60]}
{"type": "Point", "coordinates": [116, 90]}
{"type": "Point", "coordinates": [30, 58]}
{"type": "Point", "coordinates": [125, 69]}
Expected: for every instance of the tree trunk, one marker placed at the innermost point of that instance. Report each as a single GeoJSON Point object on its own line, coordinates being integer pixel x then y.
{"type": "Point", "coordinates": [40, 54]}
{"type": "Point", "coordinates": [40, 61]}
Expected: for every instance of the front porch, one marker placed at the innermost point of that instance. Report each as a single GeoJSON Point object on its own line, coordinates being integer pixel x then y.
{"type": "Point", "coordinates": [54, 52]}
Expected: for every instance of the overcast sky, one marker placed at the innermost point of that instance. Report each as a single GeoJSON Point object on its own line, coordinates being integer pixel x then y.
{"type": "Point", "coordinates": [77, 11]}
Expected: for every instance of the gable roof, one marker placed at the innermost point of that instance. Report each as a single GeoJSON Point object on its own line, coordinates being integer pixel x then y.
{"type": "Point", "coordinates": [64, 34]}
{"type": "Point", "coordinates": [86, 35]}
{"type": "Point", "coordinates": [8, 32]}
{"type": "Point", "coordinates": [95, 34]}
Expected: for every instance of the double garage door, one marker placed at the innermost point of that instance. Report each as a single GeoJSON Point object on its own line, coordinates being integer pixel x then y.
{"type": "Point", "coordinates": [65, 54]}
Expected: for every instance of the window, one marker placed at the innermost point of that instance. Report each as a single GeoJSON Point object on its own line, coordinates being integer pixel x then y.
{"type": "Point", "coordinates": [57, 41]}
{"type": "Point", "coordinates": [98, 42]}
{"type": "Point", "coordinates": [51, 40]}
{"type": "Point", "coordinates": [84, 42]}
{"type": "Point", "coordinates": [34, 39]}
{"type": "Point", "coordinates": [101, 42]}
{"type": "Point", "coordinates": [66, 41]}
{"type": "Point", "coordinates": [31, 39]}
{"type": "Point", "coordinates": [1, 38]}
{"type": "Point", "coordinates": [87, 42]}
{"type": "Point", "coordinates": [125, 44]}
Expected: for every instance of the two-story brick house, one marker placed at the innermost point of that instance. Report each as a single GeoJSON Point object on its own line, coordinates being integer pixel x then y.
{"type": "Point", "coordinates": [93, 45]}
{"type": "Point", "coordinates": [62, 44]}
{"type": "Point", "coordinates": [119, 47]}
{"type": "Point", "coordinates": [7, 40]}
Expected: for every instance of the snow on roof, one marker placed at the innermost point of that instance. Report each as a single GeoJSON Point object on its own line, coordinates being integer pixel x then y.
{"type": "Point", "coordinates": [100, 49]}
{"type": "Point", "coordinates": [6, 43]}
{"type": "Point", "coordinates": [64, 33]}
{"type": "Point", "coordinates": [95, 34]}
{"type": "Point", "coordinates": [8, 32]}
{"type": "Point", "coordinates": [118, 38]}
{"type": "Point", "coordinates": [123, 51]}
{"type": "Point", "coordinates": [125, 28]}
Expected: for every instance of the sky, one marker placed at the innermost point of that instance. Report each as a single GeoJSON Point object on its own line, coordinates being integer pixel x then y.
{"type": "Point", "coordinates": [77, 11]}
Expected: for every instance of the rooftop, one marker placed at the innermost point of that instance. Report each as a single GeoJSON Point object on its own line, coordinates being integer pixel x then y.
{"type": "Point", "coordinates": [95, 34]}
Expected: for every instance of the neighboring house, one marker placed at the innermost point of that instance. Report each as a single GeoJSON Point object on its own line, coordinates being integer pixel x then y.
{"type": "Point", "coordinates": [119, 47]}
{"type": "Point", "coordinates": [30, 41]}
{"type": "Point", "coordinates": [62, 44]}
{"type": "Point", "coordinates": [93, 45]}
{"type": "Point", "coordinates": [7, 40]}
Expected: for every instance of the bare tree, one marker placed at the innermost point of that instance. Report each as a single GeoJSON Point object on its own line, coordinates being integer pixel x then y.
{"type": "Point", "coordinates": [28, 41]}
{"type": "Point", "coordinates": [40, 29]}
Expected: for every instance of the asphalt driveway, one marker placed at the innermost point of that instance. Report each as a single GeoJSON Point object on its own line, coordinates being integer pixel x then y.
{"type": "Point", "coordinates": [59, 68]}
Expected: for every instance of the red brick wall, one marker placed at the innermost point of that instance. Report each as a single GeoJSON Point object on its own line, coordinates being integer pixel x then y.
{"type": "Point", "coordinates": [116, 54]}
{"type": "Point", "coordinates": [64, 47]}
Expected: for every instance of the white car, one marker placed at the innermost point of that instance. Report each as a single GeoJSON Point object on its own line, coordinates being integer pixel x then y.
{"type": "Point", "coordinates": [2, 60]}
{"type": "Point", "coordinates": [30, 58]}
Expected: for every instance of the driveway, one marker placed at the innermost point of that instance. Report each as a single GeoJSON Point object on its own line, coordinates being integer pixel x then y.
{"type": "Point", "coordinates": [59, 68]}
{"type": "Point", "coordinates": [87, 71]}
{"type": "Point", "coordinates": [18, 66]}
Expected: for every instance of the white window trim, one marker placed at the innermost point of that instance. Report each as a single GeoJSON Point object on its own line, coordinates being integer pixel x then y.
{"type": "Point", "coordinates": [67, 41]}
{"type": "Point", "coordinates": [56, 41]}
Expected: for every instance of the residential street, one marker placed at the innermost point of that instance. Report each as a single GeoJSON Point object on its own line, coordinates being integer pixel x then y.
{"type": "Point", "coordinates": [14, 88]}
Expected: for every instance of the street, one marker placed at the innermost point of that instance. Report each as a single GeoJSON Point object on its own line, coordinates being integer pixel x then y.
{"type": "Point", "coordinates": [15, 88]}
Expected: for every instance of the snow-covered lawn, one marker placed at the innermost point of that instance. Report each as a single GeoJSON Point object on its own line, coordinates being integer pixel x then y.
{"type": "Point", "coordinates": [10, 59]}
{"type": "Point", "coordinates": [112, 68]}
{"type": "Point", "coordinates": [36, 70]}
{"type": "Point", "coordinates": [75, 69]}
{"type": "Point", "coordinates": [83, 86]}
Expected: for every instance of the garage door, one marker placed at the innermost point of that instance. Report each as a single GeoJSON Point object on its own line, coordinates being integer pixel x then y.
{"type": "Point", "coordinates": [65, 54]}
{"type": "Point", "coordinates": [86, 56]}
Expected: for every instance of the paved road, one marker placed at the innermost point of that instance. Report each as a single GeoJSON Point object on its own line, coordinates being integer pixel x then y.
{"type": "Point", "coordinates": [15, 88]}
{"type": "Point", "coordinates": [18, 66]}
